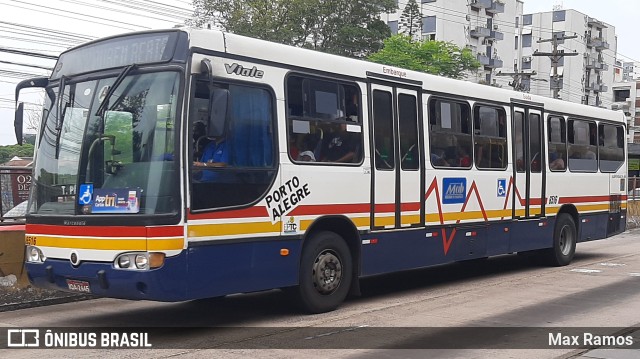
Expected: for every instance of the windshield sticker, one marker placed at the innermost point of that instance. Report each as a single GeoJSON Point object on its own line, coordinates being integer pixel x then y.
{"type": "Point", "coordinates": [285, 198]}
{"type": "Point", "coordinates": [112, 200]}
{"type": "Point", "coordinates": [85, 196]}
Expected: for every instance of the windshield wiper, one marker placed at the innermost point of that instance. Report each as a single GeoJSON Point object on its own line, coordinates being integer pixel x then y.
{"type": "Point", "coordinates": [105, 102]}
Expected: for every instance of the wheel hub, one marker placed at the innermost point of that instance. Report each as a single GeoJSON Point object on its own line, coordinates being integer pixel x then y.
{"type": "Point", "coordinates": [327, 272]}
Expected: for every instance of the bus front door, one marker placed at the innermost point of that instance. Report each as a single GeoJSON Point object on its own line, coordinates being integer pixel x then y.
{"type": "Point", "coordinates": [528, 162]}
{"type": "Point", "coordinates": [396, 157]}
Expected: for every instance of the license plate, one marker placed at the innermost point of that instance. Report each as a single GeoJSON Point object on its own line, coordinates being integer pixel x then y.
{"type": "Point", "coordinates": [78, 286]}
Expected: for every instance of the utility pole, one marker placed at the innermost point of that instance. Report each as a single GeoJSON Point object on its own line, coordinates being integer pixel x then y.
{"type": "Point", "coordinates": [517, 79]}
{"type": "Point", "coordinates": [555, 56]}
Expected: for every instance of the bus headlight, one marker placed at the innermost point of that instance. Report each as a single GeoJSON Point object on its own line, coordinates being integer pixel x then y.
{"type": "Point", "coordinates": [34, 254]}
{"type": "Point", "coordinates": [139, 260]}
{"type": "Point", "coordinates": [142, 261]}
{"type": "Point", "coordinates": [124, 261]}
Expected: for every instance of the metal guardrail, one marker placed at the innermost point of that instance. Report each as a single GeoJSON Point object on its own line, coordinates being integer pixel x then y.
{"type": "Point", "coordinates": [15, 182]}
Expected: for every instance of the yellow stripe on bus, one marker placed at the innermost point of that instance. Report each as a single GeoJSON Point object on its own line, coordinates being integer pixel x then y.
{"type": "Point", "coordinates": [111, 244]}
{"type": "Point", "coordinates": [165, 244]}
{"type": "Point", "coordinates": [227, 229]}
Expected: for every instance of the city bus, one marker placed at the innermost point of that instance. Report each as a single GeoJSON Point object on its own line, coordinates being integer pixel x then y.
{"type": "Point", "coordinates": [186, 164]}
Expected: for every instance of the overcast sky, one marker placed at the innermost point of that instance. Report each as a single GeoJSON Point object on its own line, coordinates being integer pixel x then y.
{"type": "Point", "coordinates": [22, 21]}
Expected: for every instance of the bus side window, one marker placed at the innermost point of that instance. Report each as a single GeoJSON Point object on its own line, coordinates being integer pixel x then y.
{"type": "Point", "coordinates": [490, 137]}
{"type": "Point", "coordinates": [324, 116]}
{"type": "Point", "coordinates": [450, 135]}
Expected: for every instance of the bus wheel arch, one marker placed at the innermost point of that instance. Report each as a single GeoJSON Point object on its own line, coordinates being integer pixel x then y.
{"type": "Point", "coordinates": [328, 264]}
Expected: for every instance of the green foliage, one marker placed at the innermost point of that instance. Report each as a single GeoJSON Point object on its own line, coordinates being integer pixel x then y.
{"type": "Point", "coordinates": [349, 28]}
{"type": "Point", "coordinates": [8, 152]}
{"type": "Point", "coordinates": [434, 57]}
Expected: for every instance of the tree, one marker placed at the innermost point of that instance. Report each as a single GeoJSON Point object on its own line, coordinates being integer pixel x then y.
{"type": "Point", "coordinates": [8, 152]}
{"type": "Point", "coordinates": [434, 57]}
{"type": "Point", "coordinates": [349, 28]}
{"type": "Point", "coordinates": [411, 21]}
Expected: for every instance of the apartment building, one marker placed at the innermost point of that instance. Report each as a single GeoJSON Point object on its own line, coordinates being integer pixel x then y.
{"type": "Point", "coordinates": [585, 74]}
{"type": "Point", "coordinates": [488, 27]}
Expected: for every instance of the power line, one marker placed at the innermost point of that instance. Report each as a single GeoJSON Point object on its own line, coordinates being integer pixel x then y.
{"type": "Point", "coordinates": [26, 65]}
{"type": "Point", "coordinates": [66, 14]}
{"type": "Point", "coordinates": [28, 53]}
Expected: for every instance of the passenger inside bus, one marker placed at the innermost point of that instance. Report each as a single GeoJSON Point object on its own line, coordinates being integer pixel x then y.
{"type": "Point", "coordinates": [215, 154]}
{"type": "Point", "coordinates": [555, 160]}
{"type": "Point", "coordinates": [341, 145]}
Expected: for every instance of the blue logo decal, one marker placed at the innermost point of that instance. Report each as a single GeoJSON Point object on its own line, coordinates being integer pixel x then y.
{"type": "Point", "coordinates": [502, 187]}
{"type": "Point", "coordinates": [86, 194]}
{"type": "Point", "coordinates": [454, 190]}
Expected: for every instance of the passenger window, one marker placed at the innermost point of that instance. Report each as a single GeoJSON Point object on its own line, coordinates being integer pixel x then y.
{"type": "Point", "coordinates": [490, 141]}
{"type": "Point", "coordinates": [450, 134]}
{"type": "Point", "coordinates": [557, 144]}
{"type": "Point", "coordinates": [233, 165]}
{"type": "Point", "coordinates": [408, 121]}
{"type": "Point", "coordinates": [324, 121]}
{"type": "Point", "coordinates": [583, 150]}
{"type": "Point", "coordinates": [518, 142]}
{"type": "Point", "coordinates": [611, 147]}
{"type": "Point", "coordinates": [383, 130]}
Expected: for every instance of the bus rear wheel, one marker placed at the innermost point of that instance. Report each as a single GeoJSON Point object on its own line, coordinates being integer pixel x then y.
{"type": "Point", "coordinates": [564, 242]}
{"type": "Point", "coordinates": [325, 273]}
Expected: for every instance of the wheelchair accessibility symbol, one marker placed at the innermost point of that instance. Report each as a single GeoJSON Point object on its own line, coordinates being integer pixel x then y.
{"type": "Point", "coordinates": [85, 194]}
{"type": "Point", "coordinates": [502, 187]}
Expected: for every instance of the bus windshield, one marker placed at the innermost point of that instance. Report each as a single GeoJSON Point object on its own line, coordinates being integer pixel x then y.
{"type": "Point", "coordinates": [118, 160]}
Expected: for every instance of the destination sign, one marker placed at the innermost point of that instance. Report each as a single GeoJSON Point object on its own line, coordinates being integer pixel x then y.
{"type": "Point", "coordinates": [117, 52]}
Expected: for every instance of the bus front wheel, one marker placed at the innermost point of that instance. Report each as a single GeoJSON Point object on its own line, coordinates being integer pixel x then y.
{"type": "Point", "coordinates": [325, 273]}
{"type": "Point", "coordinates": [564, 241]}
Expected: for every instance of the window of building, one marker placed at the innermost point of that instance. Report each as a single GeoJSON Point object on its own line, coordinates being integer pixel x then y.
{"type": "Point", "coordinates": [582, 139]}
{"type": "Point", "coordinates": [558, 15]}
{"type": "Point", "coordinates": [557, 144]}
{"type": "Point", "coordinates": [516, 47]}
{"type": "Point", "coordinates": [490, 137]}
{"type": "Point", "coordinates": [558, 35]}
{"type": "Point", "coordinates": [526, 40]}
{"type": "Point", "coordinates": [324, 120]}
{"type": "Point", "coordinates": [517, 22]}
{"type": "Point", "coordinates": [426, 1]}
{"type": "Point", "coordinates": [393, 26]}
{"type": "Point", "coordinates": [621, 95]}
{"type": "Point", "coordinates": [450, 134]}
{"type": "Point", "coordinates": [526, 65]}
{"type": "Point", "coordinates": [611, 147]}
{"type": "Point", "coordinates": [428, 24]}
{"type": "Point", "coordinates": [527, 20]}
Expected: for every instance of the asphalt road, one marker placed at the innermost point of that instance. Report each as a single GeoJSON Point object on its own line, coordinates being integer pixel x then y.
{"type": "Point", "coordinates": [517, 303]}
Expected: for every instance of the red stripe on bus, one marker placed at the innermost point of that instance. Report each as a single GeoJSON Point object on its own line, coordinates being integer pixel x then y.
{"type": "Point", "coordinates": [116, 231]}
{"type": "Point", "coordinates": [19, 227]}
{"type": "Point", "coordinates": [584, 199]}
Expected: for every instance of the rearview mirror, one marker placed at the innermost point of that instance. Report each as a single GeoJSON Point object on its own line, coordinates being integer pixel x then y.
{"type": "Point", "coordinates": [18, 122]}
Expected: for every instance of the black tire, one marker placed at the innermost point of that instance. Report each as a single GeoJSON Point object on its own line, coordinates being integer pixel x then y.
{"type": "Point", "coordinates": [325, 273]}
{"type": "Point", "coordinates": [565, 237]}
